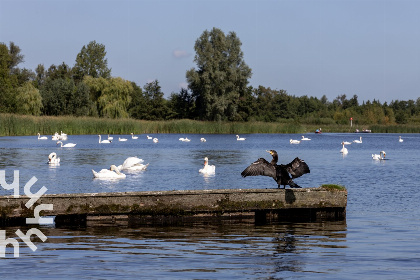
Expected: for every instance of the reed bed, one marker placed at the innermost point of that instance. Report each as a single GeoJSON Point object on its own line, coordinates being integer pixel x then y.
{"type": "Point", "coordinates": [14, 125]}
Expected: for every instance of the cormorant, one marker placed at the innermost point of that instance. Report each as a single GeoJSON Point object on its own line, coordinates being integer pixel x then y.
{"type": "Point", "coordinates": [280, 173]}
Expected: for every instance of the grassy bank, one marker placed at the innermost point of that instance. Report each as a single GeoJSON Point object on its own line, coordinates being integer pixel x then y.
{"type": "Point", "coordinates": [13, 125]}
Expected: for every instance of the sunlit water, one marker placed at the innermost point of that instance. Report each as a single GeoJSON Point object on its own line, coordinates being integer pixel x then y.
{"type": "Point", "coordinates": [379, 239]}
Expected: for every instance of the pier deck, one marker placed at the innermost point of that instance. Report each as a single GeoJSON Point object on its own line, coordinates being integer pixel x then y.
{"type": "Point", "coordinates": [168, 206]}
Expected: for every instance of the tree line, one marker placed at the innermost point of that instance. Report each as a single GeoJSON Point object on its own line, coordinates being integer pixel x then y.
{"type": "Point", "coordinates": [217, 90]}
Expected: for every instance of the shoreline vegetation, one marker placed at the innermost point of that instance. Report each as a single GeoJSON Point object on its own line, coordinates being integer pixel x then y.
{"type": "Point", "coordinates": [25, 125]}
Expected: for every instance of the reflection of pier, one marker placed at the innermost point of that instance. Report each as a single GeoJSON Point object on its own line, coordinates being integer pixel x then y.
{"type": "Point", "coordinates": [160, 207]}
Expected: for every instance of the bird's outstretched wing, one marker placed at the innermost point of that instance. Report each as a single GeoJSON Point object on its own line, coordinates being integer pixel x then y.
{"type": "Point", "coordinates": [297, 168]}
{"type": "Point", "coordinates": [260, 167]}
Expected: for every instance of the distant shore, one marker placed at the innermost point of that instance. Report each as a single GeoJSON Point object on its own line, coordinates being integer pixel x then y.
{"type": "Point", "coordinates": [21, 125]}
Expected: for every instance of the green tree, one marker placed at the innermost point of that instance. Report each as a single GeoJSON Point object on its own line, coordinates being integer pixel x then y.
{"type": "Point", "coordinates": [91, 61]}
{"type": "Point", "coordinates": [221, 76]}
{"type": "Point", "coordinates": [138, 106]}
{"type": "Point", "coordinates": [28, 100]}
{"type": "Point", "coordinates": [182, 104]}
{"type": "Point", "coordinates": [6, 84]}
{"type": "Point", "coordinates": [156, 104]}
{"type": "Point", "coordinates": [113, 95]}
{"type": "Point", "coordinates": [55, 96]}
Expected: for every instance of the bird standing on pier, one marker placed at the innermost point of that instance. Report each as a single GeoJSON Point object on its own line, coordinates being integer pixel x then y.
{"type": "Point", "coordinates": [280, 173]}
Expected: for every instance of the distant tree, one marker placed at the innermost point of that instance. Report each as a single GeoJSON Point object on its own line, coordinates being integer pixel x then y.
{"type": "Point", "coordinates": [6, 82]}
{"type": "Point", "coordinates": [182, 104]}
{"type": "Point", "coordinates": [112, 96]}
{"type": "Point", "coordinates": [15, 56]}
{"type": "Point", "coordinates": [78, 103]}
{"type": "Point", "coordinates": [138, 106]}
{"type": "Point", "coordinates": [91, 61]}
{"type": "Point", "coordinates": [62, 71]}
{"type": "Point", "coordinates": [221, 75]}
{"type": "Point", "coordinates": [28, 100]}
{"type": "Point", "coordinates": [156, 104]}
{"type": "Point", "coordinates": [55, 96]}
{"type": "Point", "coordinates": [246, 106]}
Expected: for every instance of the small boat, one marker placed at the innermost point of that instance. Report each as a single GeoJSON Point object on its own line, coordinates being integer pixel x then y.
{"type": "Point", "coordinates": [318, 131]}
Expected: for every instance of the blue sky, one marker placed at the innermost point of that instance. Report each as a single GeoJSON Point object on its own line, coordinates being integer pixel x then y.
{"type": "Point", "coordinates": [370, 48]}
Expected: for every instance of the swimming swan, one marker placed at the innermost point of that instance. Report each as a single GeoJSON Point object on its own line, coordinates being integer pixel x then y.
{"type": "Point", "coordinates": [45, 137]}
{"type": "Point", "coordinates": [239, 138]}
{"type": "Point", "coordinates": [133, 164]}
{"type": "Point", "coordinates": [344, 150]}
{"type": "Point", "coordinates": [305, 138]}
{"type": "Point", "coordinates": [122, 139]}
{"type": "Point", "coordinates": [358, 141]}
{"type": "Point", "coordinates": [68, 145]}
{"type": "Point", "coordinates": [399, 140]}
{"type": "Point", "coordinates": [294, 141]}
{"type": "Point", "coordinates": [106, 141]}
{"type": "Point", "coordinates": [381, 156]}
{"type": "Point", "coordinates": [53, 159]}
{"type": "Point", "coordinates": [111, 173]}
{"type": "Point", "coordinates": [207, 169]}
{"type": "Point", "coordinates": [134, 137]}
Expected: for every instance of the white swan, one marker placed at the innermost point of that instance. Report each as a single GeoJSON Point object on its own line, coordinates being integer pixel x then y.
{"type": "Point", "coordinates": [110, 138]}
{"type": "Point", "coordinates": [346, 143]}
{"type": "Point", "coordinates": [239, 138]}
{"type": "Point", "coordinates": [203, 139]}
{"type": "Point", "coordinates": [305, 138]}
{"type": "Point", "coordinates": [207, 169]}
{"type": "Point", "coordinates": [53, 159]}
{"type": "Point", "coordinates": [133, 164]}
{"type": "Point", "coordinates": [134, 137]}
{"type": "Point", "coordinates": [381, 156]}
{"type": "Point", "coordinates": [155, 140]}
{"type": "Point", "coordinates": [68, 145]}
{"type": "Point", "coordinates": [111, 173]}
{"type": "Point", "coordinates": [55, 137]}
{"type": "Point", "coordinates": [400, 140]}
{"type": "Point", "coordinates": [294, 141]}
{"type": "Point", "coordinates": [122, 139]}
{"type": "Point", "coordinates": [106, 141]}
{"type": "Point", "coordinates": [344, 150]}
{"type": "Point", "coordinates": [358, 141]}
{"type": "Point", "coordinates": [45, 137]}
{"type": "Point", "coordinates": [63, 136]}
{"type": "Point", "coordinates": [149, 137]}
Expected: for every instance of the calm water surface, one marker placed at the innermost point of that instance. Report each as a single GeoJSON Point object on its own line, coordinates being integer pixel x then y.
{"type": "Point", "coordinates": [379, 238]}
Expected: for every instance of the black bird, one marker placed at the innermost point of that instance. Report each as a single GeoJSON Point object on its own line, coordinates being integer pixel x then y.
{"type": "Point", "coordinates": [280, 173]}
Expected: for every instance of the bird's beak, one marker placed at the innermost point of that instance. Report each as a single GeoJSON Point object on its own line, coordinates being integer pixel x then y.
{"type": "Point", "coordinates": [268, 152]}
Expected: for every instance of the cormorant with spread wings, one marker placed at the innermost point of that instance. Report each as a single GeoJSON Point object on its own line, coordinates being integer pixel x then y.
{"type": "Point", "coordinates": [283, 174]}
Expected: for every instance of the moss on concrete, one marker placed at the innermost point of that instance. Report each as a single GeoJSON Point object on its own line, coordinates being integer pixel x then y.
{"type": "Point", "coordinates": [333, 187]}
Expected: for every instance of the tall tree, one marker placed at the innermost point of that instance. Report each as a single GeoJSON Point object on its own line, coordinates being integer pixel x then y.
{"type": "Point", "coordinates": [156, 104]}
{"type": "Point", "coordinates": [6, 84]}
{"type": "Point", "coordinates": [221, 75]}
{"type": "Point", "coordinates": [28, 100]}
{"type": "Point", "coordinates": [182, 104]}
{"type": "Point", "coordinates": [113, 95]}
{"type": "Point", "coordinates": [91, 61]}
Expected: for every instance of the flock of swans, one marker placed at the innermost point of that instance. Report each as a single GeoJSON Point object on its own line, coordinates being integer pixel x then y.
{"type": "Point", "coordinates": [133, 164]}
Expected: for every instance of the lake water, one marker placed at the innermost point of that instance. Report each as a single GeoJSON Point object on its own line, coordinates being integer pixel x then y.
{"type": "Point", "coordinates": [380, 238]}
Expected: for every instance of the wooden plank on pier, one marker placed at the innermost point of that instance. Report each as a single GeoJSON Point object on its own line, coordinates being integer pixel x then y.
{"type": "Point", "coordinates": [182, 203]}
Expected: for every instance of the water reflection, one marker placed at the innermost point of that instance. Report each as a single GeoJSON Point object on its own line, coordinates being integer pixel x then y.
{"type": "Point", "coordinates": [188, 251]}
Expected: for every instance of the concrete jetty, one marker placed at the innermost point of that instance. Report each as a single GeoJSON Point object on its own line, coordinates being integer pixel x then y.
{"type": "Point", "coordinates": [149, 207]}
